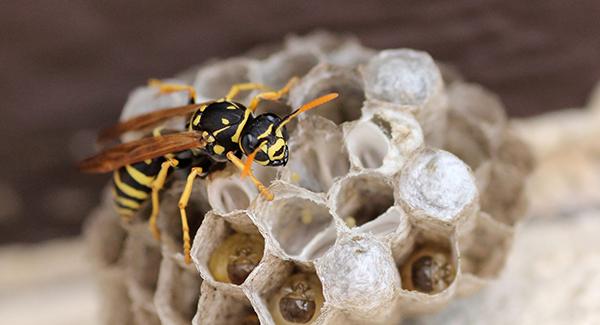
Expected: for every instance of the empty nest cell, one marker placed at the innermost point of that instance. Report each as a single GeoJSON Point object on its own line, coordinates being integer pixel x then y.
{"type": "Point", "coordinates": [295, 222]}
{"type": "Point", "coordinates": [364, 198]}
{"type": "Point", "coordinates": [227, 194]}
{"type": "Point", "coordinates": [317, 156]}
{"type": "Point", "coordinates": [367, 145]}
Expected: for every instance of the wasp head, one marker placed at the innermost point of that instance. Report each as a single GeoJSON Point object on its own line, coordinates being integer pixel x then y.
{"type": "Point", "coordinates": [269, 140]}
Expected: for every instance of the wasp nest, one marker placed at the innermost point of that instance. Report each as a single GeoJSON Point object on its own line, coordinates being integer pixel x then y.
{"type": "Point", "coordinates": [398, 197]}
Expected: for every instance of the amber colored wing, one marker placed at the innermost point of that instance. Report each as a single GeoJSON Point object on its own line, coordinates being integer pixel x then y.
{"type": "Point", "coordinates": [146, 120]}
{"type": "Point", "coordinates": [140, 150]}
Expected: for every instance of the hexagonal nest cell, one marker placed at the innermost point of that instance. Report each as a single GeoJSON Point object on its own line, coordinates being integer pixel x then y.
{"type": "Point", "coordinates": [397, 197]}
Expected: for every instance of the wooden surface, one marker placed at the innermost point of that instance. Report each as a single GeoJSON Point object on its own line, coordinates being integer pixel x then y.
{"type": "Point", "coordinates": [67, 67]}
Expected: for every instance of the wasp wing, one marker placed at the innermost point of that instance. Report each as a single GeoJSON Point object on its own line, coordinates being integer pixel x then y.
{"type": "Point", "coordinates": [146, 120]}
{"type": "Point", "coordinates": [140, 150]}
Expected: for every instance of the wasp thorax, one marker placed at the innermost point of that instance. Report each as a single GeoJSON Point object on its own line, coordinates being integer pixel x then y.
{"type": "Point", "coordinates": [236, 257]}
{"type": "Point", "coordinates": [428, 270]}
{"type": "Point", "coordinates": [298, 301]}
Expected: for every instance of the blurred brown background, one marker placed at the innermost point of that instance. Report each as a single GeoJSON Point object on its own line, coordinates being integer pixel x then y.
{"type": "Point", "coordinates": [67, 67]}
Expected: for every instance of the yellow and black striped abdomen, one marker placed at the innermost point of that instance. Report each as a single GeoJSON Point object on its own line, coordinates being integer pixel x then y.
{"type": "Point", "coordinates": [133, 184]}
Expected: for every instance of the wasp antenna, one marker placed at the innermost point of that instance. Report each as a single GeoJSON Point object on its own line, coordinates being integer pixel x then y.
{"type": "Point", "coordinates": [248, 164]}
{"type": "Point", "coordinates": [308, 106]}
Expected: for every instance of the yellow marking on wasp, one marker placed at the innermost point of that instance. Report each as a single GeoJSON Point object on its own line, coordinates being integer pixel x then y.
{"type": "Point", "coordinates": [278, 133]}
{"type": "Point", "coordinates": [127, 189]}
{"type": "Point", "coordinates": [225, 121]}
{"type": "Point", "coordinates": [208, 137]}
{"type": "Point", "coordinates": [236, 137]}
{"type": "Point", "coordinates": [262, 162]}
{"type": "Point", "coordinates": [307, 216]}
{"type": "Point", "coordinates": [148, 161]}
{"type": "Point", "coordinates": [266, 133]}
{"type": "Point", "coordinates": [139, 176]}
{"type": "Point", "coordinates": [127, 202]}
{"type": "Point", "coordinates": [275, 147]}
{"type": "Point", "coordinates": [197, 120]}
{"type": "Point", "coordinates": [124, 212]}
{"type": "Point", "coordinates": [218, 149]}
{"type": "Point", "coordinates": [220, 130]}
{"type": "Point", "coordinates": [231, 107]}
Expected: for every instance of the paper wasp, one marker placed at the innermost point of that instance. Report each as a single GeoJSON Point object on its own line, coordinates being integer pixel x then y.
{"type": "Point", "coordinates": [217, 132]}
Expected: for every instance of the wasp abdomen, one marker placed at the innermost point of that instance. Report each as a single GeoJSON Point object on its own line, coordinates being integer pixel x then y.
{"type": "Point", "coordinates": [133, 184]}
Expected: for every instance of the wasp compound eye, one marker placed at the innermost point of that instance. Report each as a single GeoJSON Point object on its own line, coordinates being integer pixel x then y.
{"type": "Point", "coordinates": [298, 301]}
{"type": "Point", "coordinates": [428, 270]}
{"type": "Point", "coordinates": [236, 257]}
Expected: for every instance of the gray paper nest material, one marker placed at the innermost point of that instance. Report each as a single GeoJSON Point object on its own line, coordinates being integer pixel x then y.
{"type": "Point", "coordinates": [399, 161]}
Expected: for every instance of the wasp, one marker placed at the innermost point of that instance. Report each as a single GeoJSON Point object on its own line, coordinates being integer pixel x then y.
{"type": "Point", "coordinates": [217, 132]}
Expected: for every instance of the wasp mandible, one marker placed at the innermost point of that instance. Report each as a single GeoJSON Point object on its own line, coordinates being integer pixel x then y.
{"type": "Point", "coordinates": [217, 132]}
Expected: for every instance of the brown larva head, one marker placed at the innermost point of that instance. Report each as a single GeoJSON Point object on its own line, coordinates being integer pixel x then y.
{"type": "Point", "coordinates": [299, 300]}
{"type": "Point", "coordinates": [242, 262]}
{"type": "Point", "coordinates": [298, 306]}
{"type": "Point", "coordinates": [428, 270]}
{"type": "Point", "coordinates": [236, 257]}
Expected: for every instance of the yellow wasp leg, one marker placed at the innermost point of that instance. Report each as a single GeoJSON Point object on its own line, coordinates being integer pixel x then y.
{"type": "Point", "coordinates": [166, 88]}
{"type": "Point", "coordinates": [157, 185]}
{"type": "Point", "coordinates": [183, 201]}
{"type": "Point", "coordinates": [272, 95]}
{"type": "Point", "coordinates": [261, 188]}
{"type": "Point", "coordinates": [236, 88]}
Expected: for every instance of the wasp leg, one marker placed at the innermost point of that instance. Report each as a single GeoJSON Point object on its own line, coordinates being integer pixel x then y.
{"type": "Point", "coordinates": [272, 95]}
{"type": "Point", "coordinates": [166, 88]}
{"type": "Point", "coordinates": [183, 202]}
{"type": "Point", "coordinates": [261, 188]}
{"type": "Point", "coordinates": [236, 88]}
{"type": "Point", "coordinates": [157, 185]}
